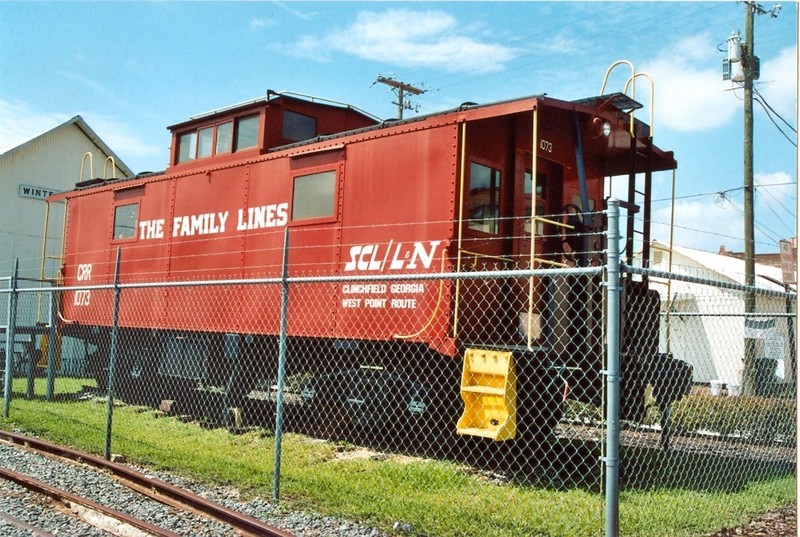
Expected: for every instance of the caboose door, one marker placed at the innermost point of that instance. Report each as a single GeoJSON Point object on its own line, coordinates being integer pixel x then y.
{"type": "Point", "coordinates": [497, 234]}
{"type": "Point", "coordinates": [549, 196]}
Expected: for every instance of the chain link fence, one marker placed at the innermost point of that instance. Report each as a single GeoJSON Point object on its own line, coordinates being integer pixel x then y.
{"type": "Point", "coordinates": [496, 368]}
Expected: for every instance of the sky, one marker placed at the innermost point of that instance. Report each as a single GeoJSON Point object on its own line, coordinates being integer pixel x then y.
{"type": "Point", "coordinates": [131, 69]}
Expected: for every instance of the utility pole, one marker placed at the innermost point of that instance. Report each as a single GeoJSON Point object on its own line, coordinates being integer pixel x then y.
{"type": "Point", "coordinates": [743, 67]}
{"type": "Point", "coordinates": [400, 89]}
{"type": "Point", "coordinates": [749, 375]}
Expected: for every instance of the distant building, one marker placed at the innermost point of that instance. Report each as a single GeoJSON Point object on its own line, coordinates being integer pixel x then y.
{"type": "Point", "coordinates": [773, 260]}
{"type": "Point", "coordinates": [705, 325]}
{"type": "Point", "coordinates": [30, 171]}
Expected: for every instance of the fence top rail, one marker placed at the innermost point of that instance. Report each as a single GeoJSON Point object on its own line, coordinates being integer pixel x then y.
{"type": "Point", "coordinates": [475, 275]}
{"type": "Point", "coordinates": [706, 281]}
{"type": "Point", "coordinates": [752, 315]}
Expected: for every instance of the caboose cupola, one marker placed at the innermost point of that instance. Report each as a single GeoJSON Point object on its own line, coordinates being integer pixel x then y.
{"type": "Point", "coordinates": [254, 127]}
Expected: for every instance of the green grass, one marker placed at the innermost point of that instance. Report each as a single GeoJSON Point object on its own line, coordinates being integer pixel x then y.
{"type": "Point", "coordinates": [434, 497]}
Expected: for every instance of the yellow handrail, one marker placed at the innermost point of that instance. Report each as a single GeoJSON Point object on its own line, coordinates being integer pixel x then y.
{"type": "Point", "coordinates": [91, 165]}
{"type": "Point", "coordinates": [113, 167]}
{"type": "Point", "coordinates": [652, 95]}
{"type": "Point", "coordinates": [460, 224]}
{"type": "Point", "coordinates": [476, 255]}
{"type": "Point", "coordinates": [435, 310]}
{"type": "Point", "coordinates": [633, 77]}
{"type": "Point", "coordinates": [534, 173]}
{"type": "Point", "coordinates": [554, 222]}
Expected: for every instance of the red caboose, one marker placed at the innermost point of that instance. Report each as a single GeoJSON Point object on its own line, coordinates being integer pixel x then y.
{"type": "Point", "coordinates": [442, 193]}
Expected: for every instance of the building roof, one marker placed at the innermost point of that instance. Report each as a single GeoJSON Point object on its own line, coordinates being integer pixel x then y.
{"type": "Point", "coordinates": [79, 122]}
{"type": "Point", "coordinates": [729, 267]}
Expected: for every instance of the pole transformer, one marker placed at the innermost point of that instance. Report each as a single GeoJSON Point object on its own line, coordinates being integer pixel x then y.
{"type": "Point", "coordinates": [400, 88]}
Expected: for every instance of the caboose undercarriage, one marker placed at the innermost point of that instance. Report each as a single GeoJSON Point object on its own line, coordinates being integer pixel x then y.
{"type": "Point", "coordinates": [393, 387]}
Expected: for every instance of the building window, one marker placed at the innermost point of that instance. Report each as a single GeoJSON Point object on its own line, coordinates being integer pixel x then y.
{"type": "Point", "coordinates": [313, 195]}
{"type": "Point", "coordinates": [484, 198]}
{"type": "Point", "coordinates": [125, 221]}
{"type": "Point", "coordinates": [246, 133]}
{"type": "Point", "coordinates": [297, 127]}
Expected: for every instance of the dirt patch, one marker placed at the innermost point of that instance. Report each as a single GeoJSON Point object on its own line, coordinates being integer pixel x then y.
{"type": "Point", "coordinates": [778, 523]}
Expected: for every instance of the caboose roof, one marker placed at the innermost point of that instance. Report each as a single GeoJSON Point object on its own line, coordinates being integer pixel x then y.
{"type": "Point", "coordinates": [613, 106]}
{"type": "Point", "coordinates": [259, 102]}
{"type": "Point", "coordinates": [616, 104]}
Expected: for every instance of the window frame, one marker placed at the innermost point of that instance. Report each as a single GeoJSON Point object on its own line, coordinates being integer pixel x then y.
{"type": "Point", "coordinates": [211, 141]}
{"type": "Point", "coordinates": [468, 221]}
{"type": "Point", "coordinates": [334, 214]}
{"type": "Point", "coordinates": [237, 121]}
{"type": "Point", "coordinates": [123, 204]}
{"type": "Point", "coordinates": [192, 146]}
{"type": "Point", "coordinates": [193, 137]}
{"type": "Point", "coordinates": [300, 115]}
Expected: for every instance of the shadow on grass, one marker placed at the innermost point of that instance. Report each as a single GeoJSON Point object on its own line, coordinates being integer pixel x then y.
{"type": "Point", "coordinates": [650, 469]}
{"type": "Point", "coordinates": [564, 463]}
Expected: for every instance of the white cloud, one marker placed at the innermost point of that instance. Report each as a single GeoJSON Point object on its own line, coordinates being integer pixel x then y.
{"type": "Point", "coordinates": [412, 39]}
{"type": "Point", "coordinates": [690, 92]}
{"type": "Point", "coordinates": [701, 224]}
{"type": "Point", "coordinates": [118, 136]}
{"type": "Point", "coordinates": [710, 221]}
{"type": "Point", "coordinates": [778, 83]}
{"type": "Point", "coordinates": [260, 24]}
{"type": "Point", "coordinates": [19, 122]}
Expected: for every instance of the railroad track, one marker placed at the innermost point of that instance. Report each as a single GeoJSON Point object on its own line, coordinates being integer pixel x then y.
{"type": "Point", "coordinates": [116, 521]}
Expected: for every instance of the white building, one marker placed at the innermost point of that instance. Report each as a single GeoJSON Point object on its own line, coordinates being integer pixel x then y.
{"type": "Point", "coordinates": [705, 325]}
{"type": "Point", "coordinates": [31, 170]}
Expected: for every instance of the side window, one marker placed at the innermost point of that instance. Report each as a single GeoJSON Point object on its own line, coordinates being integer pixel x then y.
{"type": "Point", "coordinates": [186, 146]}
{"type": "Point", "coordinates": [313, 196]}
{"type": "Point", "coordinates": [298, 127]}
{"type": "Point", "coordinates": [484, 198]}
{"type": "Point", "coordinates": [205, 139]}
{"type": "Point", "coordinates": [125, 219]}
{"type": "Point", "coordinates": [224, 138]}
{"type": "Point", "coordinates": [227, 137]}
{"type": "Point", "coordinates": [246, 133]}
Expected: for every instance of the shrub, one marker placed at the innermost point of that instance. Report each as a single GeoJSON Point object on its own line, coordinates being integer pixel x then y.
{"type": "Point", "coordinates": [760, 419]}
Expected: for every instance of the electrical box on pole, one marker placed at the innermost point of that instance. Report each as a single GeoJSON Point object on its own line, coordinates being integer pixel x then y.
{"type": "Point", "coordinates": [400, 88]}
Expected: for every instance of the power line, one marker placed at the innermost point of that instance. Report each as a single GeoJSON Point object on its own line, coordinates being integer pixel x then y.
{"type": "Point", "coordinates": [767, 193]}
{"type": "Point", "coordinates": [764, 231]}
{"type": "Point", "coordinates": [767, 108]}
{"type": "Point", "coordinates": [773, 111]}
{"type": "Point", "coordinates": [706, 232]}
{"type": "Point", "coordinates": [718, 192]}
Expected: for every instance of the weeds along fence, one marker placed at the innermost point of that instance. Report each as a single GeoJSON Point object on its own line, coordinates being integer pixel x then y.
{"type": "Point", "coordinates": [614, 378]}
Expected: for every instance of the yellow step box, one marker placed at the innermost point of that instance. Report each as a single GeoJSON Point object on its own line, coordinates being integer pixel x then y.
{"type": "Point", "coordinates": [489, 392]}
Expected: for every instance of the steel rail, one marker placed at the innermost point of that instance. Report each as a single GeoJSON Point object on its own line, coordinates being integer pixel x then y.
{"type": "Point", "coordinates": [154, 488]}
{"type": "Point", "coordinates": [71, 499]}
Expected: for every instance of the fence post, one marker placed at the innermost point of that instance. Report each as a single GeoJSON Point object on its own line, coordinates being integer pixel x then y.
{"type": "Point", "coordinates": [53, 347]}
{"type": "Point", "coordinates": [612, 371]}
{"type": "Point", "coordinates": [276, 483]}
{"type": "Point", "coordinates": [10, 335]}
{"type": "Point", "coordinates": [112, 356]}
